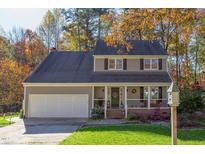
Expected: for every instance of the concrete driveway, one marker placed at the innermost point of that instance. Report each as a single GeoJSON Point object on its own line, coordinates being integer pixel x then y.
{"type": "Point", "coordinates": [39, 131]}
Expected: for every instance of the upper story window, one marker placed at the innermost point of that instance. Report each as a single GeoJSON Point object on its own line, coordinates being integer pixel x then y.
{"type": "Point", "coordinates": [115, 64]}
{"type": "Point", "coordinates": [151, 64]}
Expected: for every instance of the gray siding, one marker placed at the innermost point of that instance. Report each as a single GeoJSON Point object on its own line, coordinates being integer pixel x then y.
{"type": "Point", "coordinates": [56, 90]}
{"type": "Point", "coordinates": [99, 64]}
{"type": "Point", "coordinates": [132, 65]}
{"type": "Point", "coordinates": [164, 64]}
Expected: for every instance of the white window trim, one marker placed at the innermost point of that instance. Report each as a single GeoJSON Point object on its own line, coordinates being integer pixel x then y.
{"type": "Point", "coordinates": [115, 59]}
{"type": "Point", "coordinates": [150, 67]}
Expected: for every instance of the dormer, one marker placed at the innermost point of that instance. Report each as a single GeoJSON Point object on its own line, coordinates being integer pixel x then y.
{"type": "Point", "coordinates": [144, 55]}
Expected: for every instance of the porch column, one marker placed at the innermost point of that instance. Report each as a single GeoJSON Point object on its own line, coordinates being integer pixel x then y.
{"type": "Point", "coordinates": [105, 104]}
{"type": "Point", "coordinates": [149, 97]}
{"type": "Point", "coordinates": [125, 101]}
{"type": "Point", "coordinates": [93, 95]}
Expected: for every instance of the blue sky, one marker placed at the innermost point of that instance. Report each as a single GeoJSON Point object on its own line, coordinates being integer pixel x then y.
{"type": "Point", "coordinates": [26, 18]}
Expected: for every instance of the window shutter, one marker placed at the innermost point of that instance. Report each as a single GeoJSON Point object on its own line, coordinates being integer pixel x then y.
{"type": "Point", "coordinates": [141, 64]}
{"type": "Point", "coordinates": [141, 94]}
{"type": "Point", "coordinates": [106, 64]}
{"type": "Point", "coordinates": [160, 92]}
{"type": "Point", "coordinates": [124, 64]}
{"type": "Point", "coordinates": [160, 64]}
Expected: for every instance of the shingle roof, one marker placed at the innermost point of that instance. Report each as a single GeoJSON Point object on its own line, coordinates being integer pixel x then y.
{"type": "Point", "coordinates": [139, 47]}
{"type": "Point", "coordinates": [77, 67]}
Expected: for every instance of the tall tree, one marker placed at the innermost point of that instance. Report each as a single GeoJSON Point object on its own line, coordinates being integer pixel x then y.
{"type": "Point", "coordinates": [58, 26]}
{"type": "Point", "coordinates": [6, 49]}
{"type": "Point", "coordinates": [83, 27]}
{"type": "Point", "coordinates": [46, 29]}
{"type": "Point", "coordinates": [11, 78]}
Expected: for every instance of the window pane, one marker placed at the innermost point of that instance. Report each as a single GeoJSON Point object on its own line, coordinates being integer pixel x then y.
{"type": "Point", "coordinates": [145, 93]}
{"type": "Point", "coordinates": [119, 64]}
{"type": "Point", "coordinates": [154, 92]}
{"type": "Point", "coordinates": [111, 64]}
{"type": "Point", "coordinates": [147, 63]}
{"type": "Point", "coordinates": [154, 63]}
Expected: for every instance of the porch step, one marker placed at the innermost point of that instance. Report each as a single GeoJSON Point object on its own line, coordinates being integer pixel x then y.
{"type": "Point", "coordinates": [115, 114]}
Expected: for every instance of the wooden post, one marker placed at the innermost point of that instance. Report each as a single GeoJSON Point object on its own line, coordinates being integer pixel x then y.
{"type": "Point", "coordinates": [174, 124]}
{"type": "Point", "coordinates": [173, 101]}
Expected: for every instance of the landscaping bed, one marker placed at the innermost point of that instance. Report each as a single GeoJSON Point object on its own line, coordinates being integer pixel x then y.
{"type": "Point", "coordinates": [6, 119]}
{"type": "Point", "coordinates": [132, 134]}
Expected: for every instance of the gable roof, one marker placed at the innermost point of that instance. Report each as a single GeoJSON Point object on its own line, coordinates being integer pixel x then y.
{"type": "Point", "coordinates": [139, 47]}
{"type": "Point", "coordinates": [77, 67]}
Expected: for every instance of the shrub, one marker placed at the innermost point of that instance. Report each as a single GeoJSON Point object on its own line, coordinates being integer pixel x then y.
{"type": "Point", "coordinates": [187, 120]}
{"type": "Point", "coordinates": [97, 113]}
{"type": "Point", "coordinates": [133, 117]}
{"type": "Point", "coordinates": [1, 110]}
{"type": "Point", "coordinates": [191, 101]}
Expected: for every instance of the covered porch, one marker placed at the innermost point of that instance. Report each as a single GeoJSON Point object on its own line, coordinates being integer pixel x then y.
{"type": "Point", "coordinates": [132, 97]}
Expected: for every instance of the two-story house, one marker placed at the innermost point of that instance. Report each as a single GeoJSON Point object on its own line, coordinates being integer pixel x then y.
{"type": "Point", "coordinates": [70, 84]}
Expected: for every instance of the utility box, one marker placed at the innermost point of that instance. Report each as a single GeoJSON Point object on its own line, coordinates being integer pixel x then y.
{"type": "Point", "coordinates": [173, 95]}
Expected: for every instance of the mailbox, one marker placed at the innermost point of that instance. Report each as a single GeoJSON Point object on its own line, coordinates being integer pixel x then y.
{"type": "Point", "coordinates": [173, 95]}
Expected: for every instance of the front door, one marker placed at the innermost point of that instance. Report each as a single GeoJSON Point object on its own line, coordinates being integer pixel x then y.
{"type": "Point", "coordinates": [115, 97]}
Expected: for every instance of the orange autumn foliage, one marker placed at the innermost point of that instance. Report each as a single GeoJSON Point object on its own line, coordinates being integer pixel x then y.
{"type": "Point", "coordinates": [11, 78]}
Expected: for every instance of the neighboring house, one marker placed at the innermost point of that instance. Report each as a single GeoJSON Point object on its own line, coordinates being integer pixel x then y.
{"type": "Point", "coordinates": [70, 84]}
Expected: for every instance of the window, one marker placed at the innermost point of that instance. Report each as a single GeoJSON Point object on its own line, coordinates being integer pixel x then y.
{"type": "Point", "coordinates": [146, 93]}
{"type": "Point", "coordinates": [154, 64]}
{"type": "Point", "coordinates": [151, 64]}
{"type": "Point", "coordinates": [147, 64]}
{"type": "Point", "coordinates": [115, 64]}
{"type": "Point", "coordinates": [111, 64]}
{"type": "Point", "coordinates": [154, 92]}
{"type": "Point", "coordinates": [119, 64]}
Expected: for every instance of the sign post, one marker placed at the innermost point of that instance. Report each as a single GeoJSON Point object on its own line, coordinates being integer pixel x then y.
{"type": "Point", "coordinates": [173, 101]}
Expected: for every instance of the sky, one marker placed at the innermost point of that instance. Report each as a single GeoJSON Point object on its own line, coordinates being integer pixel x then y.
{"type": "Point", "coordinates": [25, 18]}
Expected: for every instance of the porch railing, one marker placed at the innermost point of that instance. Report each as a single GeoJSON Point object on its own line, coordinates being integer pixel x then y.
{"type": "Point", "coordinates": [137, 103]}
{"type": "Point", "coordinates": [143, 103]}
{"type": "Point", "coordinates": [158, 103]}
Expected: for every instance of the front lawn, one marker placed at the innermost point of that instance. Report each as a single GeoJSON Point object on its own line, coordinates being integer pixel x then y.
{"type": "Point", "coordinates": [132, 135]}
{"type": "Point", "coordinates": [5, 120]}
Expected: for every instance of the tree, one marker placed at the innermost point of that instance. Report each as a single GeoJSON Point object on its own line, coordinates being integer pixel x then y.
{"type": "Point", "coordinates": [99, 13]}
{"type": "Point", "coordinates": [11, 77]}
{"type": "Point", "coordinates": [83, 27]}
{"type": "Point", "coordinates": [58, 26]}
{"type": "Point", "coordinates": [46, 29]}
{"type": "Point", "coordinates": [72, 29]}
{"type": "Point", "coordinates": [6, 49]}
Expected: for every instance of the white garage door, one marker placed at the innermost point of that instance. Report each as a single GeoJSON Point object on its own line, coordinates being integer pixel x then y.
{"type": "Point", "coordinates": [75, 106]}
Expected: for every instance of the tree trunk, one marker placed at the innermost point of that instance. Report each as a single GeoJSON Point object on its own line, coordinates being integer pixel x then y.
{"type": "Point", "coordinates": [78, 29]}
{"type": "Point", "coordinates": [99, 28]}
{"type": "Point", "coordinates": [177, 57]}
{"type": "Point", "coordinates": [196, 62]}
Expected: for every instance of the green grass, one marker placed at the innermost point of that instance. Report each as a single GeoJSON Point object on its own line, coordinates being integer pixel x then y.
{"type": "Point", "coordinates": [132, 135]}
{"type": "Point", "coordinates": [5, 120]}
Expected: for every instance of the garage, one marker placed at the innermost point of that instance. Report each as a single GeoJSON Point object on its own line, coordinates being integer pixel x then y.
{"type": "Point", "coordinates": [58, 105]}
